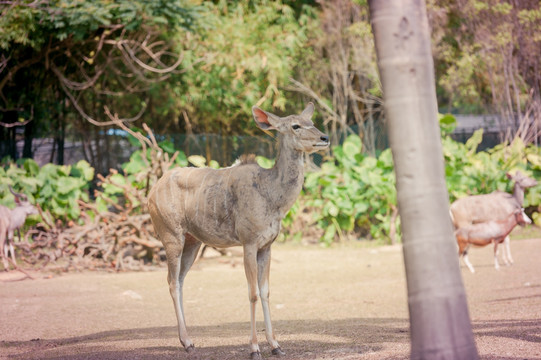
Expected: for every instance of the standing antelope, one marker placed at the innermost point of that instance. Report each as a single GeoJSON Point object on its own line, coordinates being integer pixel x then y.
{"type": "Point", "coordinates": [482, 234]}
{"type": "Point", "coordinates": [11, 220]}
{"type": "Point", "coordinates": [495, 206]}
{"type": "Point", "coordinates": [242, 205]}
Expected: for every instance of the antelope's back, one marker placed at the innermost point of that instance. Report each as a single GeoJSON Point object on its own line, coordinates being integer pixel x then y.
{"type": "Point", "coordinates": [5, 214]}
{"type": "Point", "coordinates": [174, 192]}
{"type": "Point", "coordinates": [481, 208]}
{"type": "Point", "coordinates": [201, 201]}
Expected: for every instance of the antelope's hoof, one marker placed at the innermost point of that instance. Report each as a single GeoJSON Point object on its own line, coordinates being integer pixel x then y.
{"type": "Point", "coordinates": [278, 352]}
{"type": "Point", "coordinates": [190, 349]}
{"type": "Point", "coordinates": [256, 355]}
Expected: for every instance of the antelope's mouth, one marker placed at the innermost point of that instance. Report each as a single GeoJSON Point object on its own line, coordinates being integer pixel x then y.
{"type": "Point", "coordinates": [321, 144]}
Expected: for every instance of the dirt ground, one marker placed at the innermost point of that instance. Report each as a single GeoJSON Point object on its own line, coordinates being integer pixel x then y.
{"type": "Point", "coordinates": [347, 302]}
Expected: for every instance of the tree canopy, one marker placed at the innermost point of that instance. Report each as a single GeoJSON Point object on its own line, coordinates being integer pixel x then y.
{"type": "Point", "coordinates": [191, 66]}
{"type": "Point", "coordinates": [62, 61]}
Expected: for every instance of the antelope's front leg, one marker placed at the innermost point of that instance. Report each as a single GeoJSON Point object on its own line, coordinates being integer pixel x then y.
{"type": "Point", "coordinates": [4, 245]}
{"type": "Point", "coordinates": [506, 254]}
{"type": "Point", "coordinates": [496, 264]}
{"type": "Point", "coordinates": [11, 248]}
{"type": "Point", "coordinates": [250, 267]}
{"type": "Point", "coordinates": [466, 259]}
{"type": "Point", "coordinates": [263, 270]}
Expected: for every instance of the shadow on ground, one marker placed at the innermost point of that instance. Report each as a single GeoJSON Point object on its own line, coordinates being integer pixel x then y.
{"type": "Point", "coordinates": [301, 339]}
{"type": "Point", "coordinates": [354, 338]}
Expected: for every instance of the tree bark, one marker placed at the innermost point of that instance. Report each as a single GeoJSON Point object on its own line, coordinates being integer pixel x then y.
{"type": "Point", "coordinates": [10, 117]}
{"type": "Point", "coordinates": [61, 138]}
{"type": "Point", "coordinates": [28, 138]}
{"type": "Point", "coordinates": [439, 319]}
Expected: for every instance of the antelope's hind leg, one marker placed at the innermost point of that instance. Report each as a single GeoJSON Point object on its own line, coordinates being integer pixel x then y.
{"type": "Point", "coordinates": [463, 250]}
{"type": "Point", "coordinates": [506, 253]}
{"type": "Point", "coordinates": [189, 253]}
{"type": "Point", "coordinates": [174, 247]}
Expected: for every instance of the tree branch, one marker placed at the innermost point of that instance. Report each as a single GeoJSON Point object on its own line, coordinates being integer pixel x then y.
{"type": "Point", "coordinates": [19, 123]}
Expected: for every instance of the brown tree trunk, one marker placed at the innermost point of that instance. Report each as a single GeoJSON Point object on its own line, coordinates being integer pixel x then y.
{"type": "Point", "coordinates": [439, 319]}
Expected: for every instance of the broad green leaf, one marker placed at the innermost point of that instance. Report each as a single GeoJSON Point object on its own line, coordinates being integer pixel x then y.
{"type": "Point", "coordinates": [181, 159]}
{"type": "Point", "coordinates": [328, 237]}
{"type": "Point", "coordinates": [101, 205]}
{"type": "Point", "coordinates": [197, 160]}
{"type": "Point", "coordinates": [31, 167]}
{"type": "Point", "coordinates": [67, 184]}
{"type": "Point", "coordinates": [83, 170]}
{"type": "Point", "coordinates": [352, 146]}
{"type": "Point", "coordinates": [474, 141]}
{"type": "Point", "coordinates": [535, 160]}
{"type": "Point", "coordinates": [264, 162]}
{"type": "Point", "coordinates": [448, 123]}
{"type": "Point", "coordinates": [167, 146]}
{"type": "Point", "coordinates": [135, 165]}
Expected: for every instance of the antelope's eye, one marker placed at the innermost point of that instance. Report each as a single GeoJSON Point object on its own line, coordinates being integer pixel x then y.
{"type": "Point", "coordinates": [296, 127]}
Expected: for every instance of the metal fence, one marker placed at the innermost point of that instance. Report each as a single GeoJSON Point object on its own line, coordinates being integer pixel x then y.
{"type": "Point", "coordinates": [112, 149]}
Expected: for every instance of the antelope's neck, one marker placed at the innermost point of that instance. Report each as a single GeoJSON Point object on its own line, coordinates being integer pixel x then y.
{"type": "Point", "coordinates": [287, 176]}
{"type": "Point", "coordinates": [518, 194]}
{"type": "Point", "coordinates": [18, 218]}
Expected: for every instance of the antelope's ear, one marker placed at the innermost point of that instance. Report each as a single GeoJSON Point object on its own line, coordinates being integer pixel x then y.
{"type": "Point", "coordinates": [262, 119]}
{"type": "Point", "coordinates": [309, 111]}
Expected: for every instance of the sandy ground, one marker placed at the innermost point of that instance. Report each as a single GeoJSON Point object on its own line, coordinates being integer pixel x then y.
{"type": "Point", "coordinates": [347, 302]}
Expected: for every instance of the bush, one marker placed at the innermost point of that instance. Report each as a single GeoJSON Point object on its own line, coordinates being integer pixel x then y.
{"type": "Point", "coordinates": [354, 195]}
{"type": "Point", "coordinates": [57, 189]}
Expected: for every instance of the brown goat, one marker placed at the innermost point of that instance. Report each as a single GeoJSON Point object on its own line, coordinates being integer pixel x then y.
{"type": "Point", "coordinates": [482, 234]}
{"type": "Point", "coordinates": [497, 205]}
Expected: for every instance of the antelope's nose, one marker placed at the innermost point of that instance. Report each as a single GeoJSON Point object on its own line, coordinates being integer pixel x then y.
{"type": "Point", "coordinates": [325, 138]}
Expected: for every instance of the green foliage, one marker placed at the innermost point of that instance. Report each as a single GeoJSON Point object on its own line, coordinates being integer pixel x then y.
{"type": "Point", "coordinates": [139, 163]}
{"type": "Point", "coordinates": [249, 50]}
{"type": "Point", "coordinates": [474, 41]}
{"type": "Point", "coordinates": [264, 162]}
{"type": "Point", "coordinates": [200, 162]}
{"type": "Point", "coordinates": [127, 190]}
{"type": "Point", "coordinates": [469, 172]}
{"type": "Point", "coordinates": [353, 193]}
{"type": "Point", "coordinates": [447, 124]}
{"type": "Point", "coordinates": [99, 52]}
{"type": "Point", "coordinates": [58, 20]}
{"type": "Point", "coordinates": [55, 188]}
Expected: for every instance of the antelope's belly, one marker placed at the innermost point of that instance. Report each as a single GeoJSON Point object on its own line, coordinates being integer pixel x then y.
{"type": "Point", "coordinates": [212, 233]}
